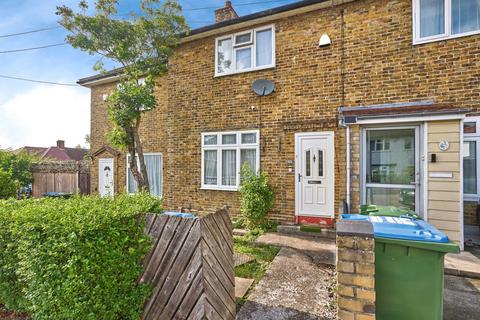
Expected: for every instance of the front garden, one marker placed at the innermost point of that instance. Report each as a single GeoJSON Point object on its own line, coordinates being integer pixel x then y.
{"type": "Point", "coordinates": [80, 258]}
{"type": "Point", "coordinates": [261, 254]}
{"type": "Point", "coordinates": [74, 259]}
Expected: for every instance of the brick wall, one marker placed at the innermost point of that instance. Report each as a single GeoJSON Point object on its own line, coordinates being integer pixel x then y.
{"type": "Point", "coordinates": [380, 66]}
{"type": "Point", "coordinates": [355, 270]}
{"type": "Point", "coordinates": [153, 132]}
{"type": "Point", "coordinates": [470, 213]}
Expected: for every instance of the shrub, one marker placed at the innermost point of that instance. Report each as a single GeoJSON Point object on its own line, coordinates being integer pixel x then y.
{"type": "Point", "coordinates": [14, 172]}
{"type": "Point", "coordinates": [74, 259]}
{"type": "Point", "coordinates": [256, 197]}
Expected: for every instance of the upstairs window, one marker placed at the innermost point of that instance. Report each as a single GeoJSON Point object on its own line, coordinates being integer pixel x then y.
{"type": "Point", "coordinates": [443, 19]}
{"type": "Point", "coordinates": [245, 51]}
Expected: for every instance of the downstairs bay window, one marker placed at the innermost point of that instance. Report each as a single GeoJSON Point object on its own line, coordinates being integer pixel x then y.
{"type": "Point", "coordinates": [471, 156]}
{"type": "Point", "coordinates": [153, 163]}
{"type": "Point", "coordinates": [224, 154]}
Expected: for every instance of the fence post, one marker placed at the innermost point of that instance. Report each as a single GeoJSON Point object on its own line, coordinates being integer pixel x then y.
{"type": "Point", "coordinates": [355, 270]}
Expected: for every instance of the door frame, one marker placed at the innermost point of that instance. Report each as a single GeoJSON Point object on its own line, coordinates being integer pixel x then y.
{"type": "Point", "coordinates": [100, 161]}
{"type": "Point", "coordinates": [419, 161]}
{"type": "Point", "coordinates": [320, 134]}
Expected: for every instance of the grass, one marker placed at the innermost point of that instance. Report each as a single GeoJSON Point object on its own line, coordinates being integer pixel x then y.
{"type": "Point", "coordinates": [262, 254]}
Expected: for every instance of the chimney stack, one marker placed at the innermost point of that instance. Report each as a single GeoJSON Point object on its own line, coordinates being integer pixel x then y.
{"type": "Point", "coordinates": [61, 144]}
{"type": "Point", "coordinates": [226, 13]}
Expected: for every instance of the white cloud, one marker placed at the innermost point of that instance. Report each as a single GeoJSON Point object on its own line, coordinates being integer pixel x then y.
{"type": "Point", "coordinates": [43, 115]}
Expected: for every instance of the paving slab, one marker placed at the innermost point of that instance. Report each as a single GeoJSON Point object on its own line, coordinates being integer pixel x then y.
{"type": "Point", "coordinates": [295, 287]}
{"type": "Point", "coordinates": [321, 250]}
{"type": "Point", "coordinates": [462, 264]}
{"type": "Point", "coordinates": [240, 232]}
{"type": "Point", "coordinates": [241, 286]}
{"type": "Point", "coordinates": [461, 298]}
{"type": "Point", "coordinates": [241, 258]}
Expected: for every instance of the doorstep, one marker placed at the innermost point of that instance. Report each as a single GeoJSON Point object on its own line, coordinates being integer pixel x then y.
{"type": "Point", "coordinates": [462, 264]}
{"type": "Point", "coordinates": [296, 230]}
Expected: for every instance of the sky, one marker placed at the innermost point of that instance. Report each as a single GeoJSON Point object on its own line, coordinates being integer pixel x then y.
{"type": "Point", "coordinates": [35, 114]}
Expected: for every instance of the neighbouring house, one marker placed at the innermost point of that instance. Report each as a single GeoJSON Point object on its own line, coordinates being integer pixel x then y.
{"type": "Point", "coordinates": [59, 169]}
{"type": "Point", "coordinates": [376, 102]}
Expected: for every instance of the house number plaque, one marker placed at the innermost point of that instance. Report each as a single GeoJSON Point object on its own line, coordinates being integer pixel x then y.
{"type": "Point", "coordinates": [444, 145]}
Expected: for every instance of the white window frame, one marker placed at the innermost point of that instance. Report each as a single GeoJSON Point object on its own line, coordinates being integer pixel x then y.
{"type": "Point", "coordinates": [252, 44]}
{"type": "Point", "coordinates": [127, 157]}
{"type": "Point", "coordinates": [418, 187]}
{"type": "Point", "coordinates": [238, 146]}
{"type": "Point", "coordinates": [448, 25]}
{"type": "Point", "coordinates": [475, 137]}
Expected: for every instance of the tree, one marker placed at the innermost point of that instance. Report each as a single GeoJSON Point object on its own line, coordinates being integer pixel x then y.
{"type": "Point", "coordinates": [142, 46]}
{"type": "Point", "coordinates": [14, 172]}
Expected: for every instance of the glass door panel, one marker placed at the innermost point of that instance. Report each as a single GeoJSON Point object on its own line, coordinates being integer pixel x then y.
{"type": "Point", "coordinates": [391, 167]}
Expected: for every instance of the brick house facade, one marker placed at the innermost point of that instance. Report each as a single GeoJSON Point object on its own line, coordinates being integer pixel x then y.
{"type": "Point", "coordinates": [372, 60]}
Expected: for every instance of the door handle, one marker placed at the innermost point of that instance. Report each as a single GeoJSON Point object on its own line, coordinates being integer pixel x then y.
{"type": "Point", "coordinates": [299, 177]}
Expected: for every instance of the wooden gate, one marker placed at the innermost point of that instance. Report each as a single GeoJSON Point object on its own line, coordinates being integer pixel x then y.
{"type": "Point", "coordinates": [60, 176]}
{"type": "Point", "coordinates": [191, 268]}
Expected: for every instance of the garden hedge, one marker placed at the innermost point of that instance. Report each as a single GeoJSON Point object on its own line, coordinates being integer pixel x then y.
{"type": "Point", "coordinates": [74, 259]}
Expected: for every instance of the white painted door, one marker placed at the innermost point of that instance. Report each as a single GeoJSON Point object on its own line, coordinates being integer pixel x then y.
{"type": "Point", "coordinates": [105, 177]}
{"type": "Point", "coordinates": [315, 174]}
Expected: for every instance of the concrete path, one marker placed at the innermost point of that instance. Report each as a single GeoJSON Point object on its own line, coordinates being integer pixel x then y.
{"type": "Point", "coordinates": [461, 298]}
{"type": "Point", "coordinates": [462, 264]}
{"type": "Point", "coordinates": [322, 250]}
{"type": "Point", "coordinates": [297, 284]}
{"type": "Point", "coordinates": [294, 288]}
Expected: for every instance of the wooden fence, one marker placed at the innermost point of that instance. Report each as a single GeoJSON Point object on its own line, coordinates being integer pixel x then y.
{"type": "Point", "coordinates": [65, 176]}
{"type": "Point", "coordinates": [190, 267]}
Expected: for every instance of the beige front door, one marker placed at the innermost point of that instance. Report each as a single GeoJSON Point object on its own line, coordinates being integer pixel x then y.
{"type": "Point", "coordinates": [315, 174]}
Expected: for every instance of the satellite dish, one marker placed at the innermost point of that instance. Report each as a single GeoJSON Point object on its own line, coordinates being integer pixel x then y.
{"type": "Point", "coordinates": [263, 87]}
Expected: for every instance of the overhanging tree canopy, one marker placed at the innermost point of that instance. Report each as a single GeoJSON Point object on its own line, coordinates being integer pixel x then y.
{"type": "Point", "coordinates": [142, 45]}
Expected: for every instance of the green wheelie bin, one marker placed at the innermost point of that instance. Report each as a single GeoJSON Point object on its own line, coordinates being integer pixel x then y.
{"type": "Point", "coordinates": [409, 267]}
{"type": "Point", "coordinates": [390, 211]}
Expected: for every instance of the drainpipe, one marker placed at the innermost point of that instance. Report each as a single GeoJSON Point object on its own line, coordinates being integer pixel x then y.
{"type": "Point", "coordinates": [348, 168]}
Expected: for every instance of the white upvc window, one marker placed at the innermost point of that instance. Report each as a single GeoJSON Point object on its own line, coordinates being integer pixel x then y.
{"type": "Point", "coordinates": [154, 164]}
{"type": "Point", "coordinates": [224, 154]}
{"type": "Point", "coordinates": [245, 51]}
{"type": "Point", "coordinates": [471, 158]}
{"type": "Point", "coordinates": [435, 20]}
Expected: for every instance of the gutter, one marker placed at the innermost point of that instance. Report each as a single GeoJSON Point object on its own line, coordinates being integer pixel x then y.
{"type": "Point", "coordinates": [262, 17]}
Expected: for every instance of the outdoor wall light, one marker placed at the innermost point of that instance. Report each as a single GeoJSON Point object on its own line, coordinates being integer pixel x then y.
{"type": "Point", "coordinates": [324, 41]}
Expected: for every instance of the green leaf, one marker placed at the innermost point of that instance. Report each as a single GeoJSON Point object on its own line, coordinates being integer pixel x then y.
{"type": "Point", "coordinates": [74, 258]}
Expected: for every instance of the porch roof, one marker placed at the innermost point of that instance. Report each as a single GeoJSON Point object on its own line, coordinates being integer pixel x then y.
{"type": "Point", "coordinates": [351, 115]}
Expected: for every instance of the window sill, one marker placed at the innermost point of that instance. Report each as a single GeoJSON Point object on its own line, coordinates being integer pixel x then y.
{"type": "Point", "coordinates": [445, 38]}
{"type": "Point", "coordinates": [244, 71]}
{"type": "Point", "coordinates": [471, 197]}
{"type": "Point", "coordinates": [216, 188]}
